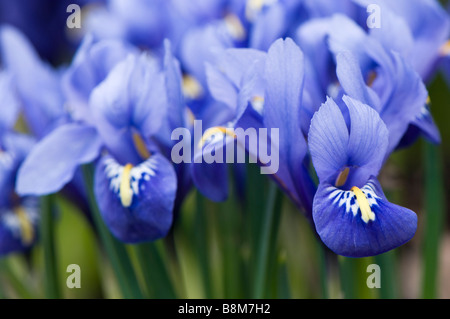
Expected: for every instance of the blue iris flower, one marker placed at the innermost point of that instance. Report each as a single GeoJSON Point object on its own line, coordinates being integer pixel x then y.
{"type": "Point", "coordinates": [261, 90]}
{"type": "Point", "coordinates": [41, 97]}
{"type": "Point", "coordinates": [233, 88]}
{"type": "Point", "coordinates": [284, 78]}
{"type": "Point", "coordinates": [135, 185]}
{"type": "Point", "coordinates": [244, 24]}
{"type": "Point", "coordinates": [36, 82]}
{"type": "Point", "coordinates": [416, 29]}
{"type": "Point", "coordinates": [19, 216]}
{"type": "Point", "coordinates": [351, 213]}
{"type": "Point", "coordinates": [344, 59]}
{"type": "Point", "coordinates": [91, 64]}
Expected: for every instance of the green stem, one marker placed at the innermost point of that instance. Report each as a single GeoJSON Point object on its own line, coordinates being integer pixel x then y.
{"type": "Point", "coordinates": [346, 271]}
{"type": "Point", "coordinates": [255, 190]}
{"type": "Point", "coordinates": [386, 261]}
{"type": "Point", "coordinates": [231, 250]}
{"type": "Point", "coordinates": [354, 277]}
{"type": "Point", "coordinates": [434, 206]}
{"type": "Point", "coordinates": [47, 234]}
{"type": "Point", "coordinates": [323, 269]}
{"type": "Point", "coordinates": [268, 234]}
{"type": "Point", "coordinates": [156, 277]}
{"type": "Point", "coordinates": [17, 284]}
{"type": "Point", "coordinates": [115, 250]}
{"type": "Point", "coordinates": [201, 241]}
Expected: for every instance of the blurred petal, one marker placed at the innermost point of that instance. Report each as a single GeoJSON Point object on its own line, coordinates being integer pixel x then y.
{"type": "Point", "coordinates": [18, 226]}
{"type": "Point", "coordinates": [311, 37]}
{"type": "Point", "coordinates": [405, 99]}
{"type": "Point", "coordinates": [284, 85]}
{"type": "Point", "coordinates": [210, 170]}
{"type": "Point", "coordinates": [14, 147]}
{"type": "Point", "coordinates": [90, 66]}
{"type": "Point", "coordinates": [38, 85]}
{"type": "Point", "coordinates": [351, 79]}
{"type": "Point", "coordinates": [126, 101]}
{"type": "Point", "coordinates": [176, 102]}
{"type": "Point", "coordinates": [110, 100]}
{"type": "Point", "coordinates": [346, 35]}
{"type": "Point", "coordinates": [234, 62]}
{"type": "Point", "coordinates": [53, 161]}
{"type": "Point", "coordinates": [270, 25]}
{"type": "Point", "coordinates": [284, 80]}
{"type": "Point", "coordinates": [429, 25]}
{"type": "Point", "coordinates": [220, 86]}
{"type": "Point", "coordinates": [149, 98]}
{"type": "Point", "coordinates": [9, 104]}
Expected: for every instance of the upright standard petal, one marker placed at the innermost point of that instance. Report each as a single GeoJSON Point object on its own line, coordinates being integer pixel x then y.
{"type": "Point", "coordinates": [176, 107]}
{"type": "Point", "coordinates": [429, 26]}
{"type": "Point", "coordinates": [361, 222]}
{"type": "Point", "coordinates": [357, 150]}
{"type": "Point", "coordinates": [90, 66]}
{"type": "Point", "coordinates": [52, 162]}
{"type": "Point", "coordinates": [368, 141]}
{"type": "Point", "coordinates": [38, 85]}
{"type": "Point", "coordinates": [328, 140]}
{"type": "Point", "coordinates": [126, 103]}
{"type": "Point", "coordinates": [283, 95]}
{"type": "Point", "coordinates": [348, 71]}
{"type": "Point", "coordinates": [351, 214]}
{"type": "Point", "coordinates": [136, 202]}
{"type": "Point", "coordinates": [269, 25]}
{"type": "Point", "coordinates": [394, 89]}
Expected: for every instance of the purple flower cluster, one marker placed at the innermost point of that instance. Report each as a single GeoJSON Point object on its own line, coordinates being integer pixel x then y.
{"type": "Point", "coordinates": [343, 82]}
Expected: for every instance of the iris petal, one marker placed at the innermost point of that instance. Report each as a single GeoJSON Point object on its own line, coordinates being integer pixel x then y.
{"type": "Point", "coordinates": [211, 177]}
{"type": "Point", "coordinates": [327, 140]}
{"type": "Point", "coordinates": [40, 93]}
{"type": "Point", "coordinates": [343, 226]}
{"type": "Point", "coordinates": [333, 147]}
{"type": "Point", "coordinates": [52, 162]}
{"type": "Point", "coordinates": [151, 187]}
{"type": "Point", "coordinates": [9, 101]}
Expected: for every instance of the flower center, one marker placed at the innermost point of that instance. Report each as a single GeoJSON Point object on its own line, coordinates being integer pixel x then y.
{"type": "Point", "coordinates": [342, 177]}
{"type": "Point", "coordinates": [216, 130]}
{"type": "Point", "coordinates": [445, 49]}
{"type": "Point", "coordinates": [26, 228]}
{"type": "Point", "coordinates": [191, 87]}
{"type": "Point", "coordinates": [140, 146]}
{"type": "Point", "coordinates": [366, 212]}
{"type": "Point", "coordinates": [125, 191]}
{"type": "Point", "coordinates": [127, 181]}
{"type": "Point", "coordinates": [235, 27]}
{"type": "Point", "coordinates": [371, 78]}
